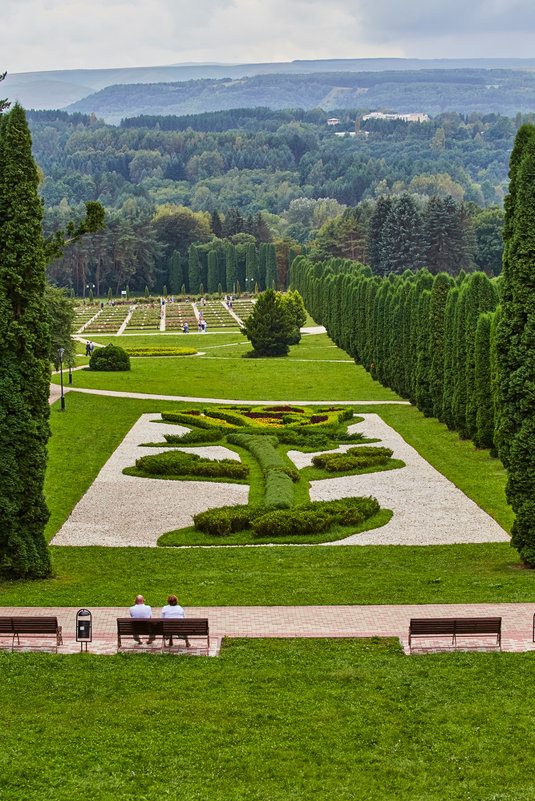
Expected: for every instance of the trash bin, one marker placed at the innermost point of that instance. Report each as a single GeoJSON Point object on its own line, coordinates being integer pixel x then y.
{"type": "Point", "coordinates": [84, 628]}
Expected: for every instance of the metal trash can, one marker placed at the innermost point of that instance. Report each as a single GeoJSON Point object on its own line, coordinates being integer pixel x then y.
{"type": "Point", "coordinates": [84, 628]}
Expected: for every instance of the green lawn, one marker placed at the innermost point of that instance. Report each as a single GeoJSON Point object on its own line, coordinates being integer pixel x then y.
{"type": "Point", "coordinates": [92, 427]}
{"type": "Point", "coordinates": [269, 719]}
{"type": "Point", "coordinates": [247, 379]}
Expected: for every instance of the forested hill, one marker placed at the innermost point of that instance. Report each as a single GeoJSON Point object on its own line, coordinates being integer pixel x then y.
{"type": "Point", "coordinates": [430, 91]}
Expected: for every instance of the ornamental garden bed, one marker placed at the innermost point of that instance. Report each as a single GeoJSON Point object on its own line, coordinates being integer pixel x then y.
{"type": "Point", "coordinates": [279, 508]}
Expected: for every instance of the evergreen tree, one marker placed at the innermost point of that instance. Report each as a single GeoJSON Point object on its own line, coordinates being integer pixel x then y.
{"type": "Point", "coordinates": [422, 392]}
{"type": "Point", "coordinates": [450, 318]}
{"type": "Point", "coordinates": [213, 272]}
{"type": "Point", "coordinates": [215, 225]}
{"type": "Point", "coordinates": [250, 266]}
{"type": "Point", "coordinates": [175, 273]}
{"type": "Point", "coordinates": [437, 309]}
{"type": "Point", "coordinates": [231, 270]}
{"type": "Point", "coordinates": [262, 257]}
{"type": "Point", "coordinates": [382, 210]}
{"type": "Point", "coordinates": [516, 344]}
{"type": "Point", "coordinates": [483, 297]}
{"type": "Point", "coordinates": [270, 327]}
{"type": "Point", "coordinates": [484, 403]}
{"type": "Point", "coordinates": [271, 267]}
{"type": "Point", "coordinates": [194, 270]}
{"type": "Point", "coordinates": [24, 357]}
{"type": "Point", "coordinates": [401, 241]}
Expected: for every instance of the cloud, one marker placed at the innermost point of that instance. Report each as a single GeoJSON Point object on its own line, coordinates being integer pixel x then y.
{"type": "Point", "coordinates": [62, 34]}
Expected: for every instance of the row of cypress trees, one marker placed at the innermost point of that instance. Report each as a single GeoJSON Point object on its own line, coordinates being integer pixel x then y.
{"type": "Point", "coordinates": [245, 265]}
{"type": "Point", "coordinates": [427, 337]}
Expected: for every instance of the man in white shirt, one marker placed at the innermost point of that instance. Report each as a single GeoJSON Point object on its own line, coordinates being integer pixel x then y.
{"type": "Point", "coordinates": [141, 610]}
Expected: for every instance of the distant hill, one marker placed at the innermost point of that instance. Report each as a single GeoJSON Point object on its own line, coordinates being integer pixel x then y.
{"type": "Point", "coordinates": [59, 88]}
{"type": "Point", "coordinates": [430, 91]}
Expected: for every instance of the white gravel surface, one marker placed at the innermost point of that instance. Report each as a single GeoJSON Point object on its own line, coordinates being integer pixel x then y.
{"type": "Point", "coordinates": [428, 508]}
{"type": "Point", "coordinates": [119, 510]}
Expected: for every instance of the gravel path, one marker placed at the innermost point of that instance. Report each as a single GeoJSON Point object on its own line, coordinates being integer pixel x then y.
{"type": "Point", "coordinates": [428, 508]}
{"type": "Point", "coordinates": [119, 510]}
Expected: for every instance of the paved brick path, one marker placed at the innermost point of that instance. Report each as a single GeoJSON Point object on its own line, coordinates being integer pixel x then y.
{"type": "Point", "coordinates": [301, 621]}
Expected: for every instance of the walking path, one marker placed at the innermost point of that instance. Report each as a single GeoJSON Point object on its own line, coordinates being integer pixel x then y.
{"type": "Point", "coordinates": [231, 401]}
{"type": "Point", "coordinates": [300, 621]}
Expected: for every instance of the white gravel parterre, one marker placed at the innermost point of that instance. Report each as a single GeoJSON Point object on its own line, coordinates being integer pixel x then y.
{"type": "Point", "coordinates": [428, 508]}
{"type": "Point", "coordinates": [119, 510]}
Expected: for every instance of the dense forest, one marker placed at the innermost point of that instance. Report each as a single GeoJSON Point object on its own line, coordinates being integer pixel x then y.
{"type": "Point", "coordinates": [433, 91]}
{"type": "Point", "coordinates": [257, 176]}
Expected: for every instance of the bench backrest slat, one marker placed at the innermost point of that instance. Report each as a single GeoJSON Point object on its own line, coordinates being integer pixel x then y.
{"type": "Point", "coordinates": [6, 625]}
{"type": "Point", "coordinates": [138, 626]}
{"type": "Point", "coordinates": [35, 625]}
{"type": "Point", "coordinates": [191, 625]}
{"type": "Point", "coordinates": [456, 625]}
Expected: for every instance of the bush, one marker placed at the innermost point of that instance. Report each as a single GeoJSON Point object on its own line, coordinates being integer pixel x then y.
{"type": "Point", "coordinates": [314, 517]}
{"type": "Point", "coordinates": [264, 449]}
{"type": "Point", "coordinates": [112, 358]}
{"type": "Point", "coordinates": [228, 519]}
{"type": "Point", "coordinates": [279, 490]}
{"type": "Point", "coordinates": [178, 463]}
{"type": "Point", "coordinates": [195, 435]}
{"type": "Point", "coordinates": [353, 459]}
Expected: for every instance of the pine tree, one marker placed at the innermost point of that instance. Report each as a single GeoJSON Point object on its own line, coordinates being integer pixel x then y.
{"type": "Point", "coordinates": [24, 354]}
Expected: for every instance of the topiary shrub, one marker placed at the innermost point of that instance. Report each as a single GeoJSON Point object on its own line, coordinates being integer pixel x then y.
{"type": "Point", "coordinates": [178, 463]}
{"type": "Point", "coordinates": [315, 517]}
{"type": "Point", "coordinates": [353, 459]}
{"type": "Point", "coordinates": [228, 519]}
{"type": "Point", "coordinates": [279, 491]}
{"type": "Point", "coordinates": [112, 358]}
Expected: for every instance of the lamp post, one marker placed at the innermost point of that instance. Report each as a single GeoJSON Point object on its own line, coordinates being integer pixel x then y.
{"type": "Point", "coordinates": [61, 351]}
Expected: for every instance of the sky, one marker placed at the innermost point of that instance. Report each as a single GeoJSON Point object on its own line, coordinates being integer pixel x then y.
{"type": "Point", "coordinates": [75, 34]}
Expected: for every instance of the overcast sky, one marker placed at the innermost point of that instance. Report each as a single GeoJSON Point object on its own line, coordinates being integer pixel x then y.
{"type": "Point", "coordinates": [67, 34]}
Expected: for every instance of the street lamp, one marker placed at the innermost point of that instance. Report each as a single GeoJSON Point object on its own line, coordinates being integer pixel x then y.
{"type": "Point", "coordinates": [61, 351]}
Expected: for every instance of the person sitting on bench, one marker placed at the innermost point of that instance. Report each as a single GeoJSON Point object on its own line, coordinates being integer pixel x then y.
{"type": "Point", "coordinates": [141, 610]}
{"type": "Point", "coordinates": [173, 609]}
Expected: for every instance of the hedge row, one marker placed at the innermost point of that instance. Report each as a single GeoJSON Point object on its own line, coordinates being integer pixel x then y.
{"type": "Point", "coordinates": [195, 435]}
{"type": "Point", "coordinates": [414, 332]}
{"type": "Point", "coordinates": [178, 463]}
{"type": "Point", "coordinates": [310, 518]}
{"type": "Point", "coordinates": [264, 450]}
{"type": "Point", "coordinates": [194, 419]}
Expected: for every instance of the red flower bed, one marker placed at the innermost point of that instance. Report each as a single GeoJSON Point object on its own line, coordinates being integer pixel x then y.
{"type": "Point", "coordinates": [284, 409]}
{"type": "Point", "coordinates": [319, 418]}
{"type": "Point", "coordinates": [263, 415]}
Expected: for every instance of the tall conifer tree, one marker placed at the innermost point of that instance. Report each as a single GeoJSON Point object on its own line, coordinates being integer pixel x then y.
{"type": "Point", "coordinates": [24, 357]}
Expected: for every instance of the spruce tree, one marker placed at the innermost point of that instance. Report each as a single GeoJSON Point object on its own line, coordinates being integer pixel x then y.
{"type": "Point", "coordinates": [24, 354]}
{"type": "Point", "coordinates": [270, 327]}
{"type": "Point", "coordinates": [382, 210]}
{"type": "Point", "coordinates": [402, 247]}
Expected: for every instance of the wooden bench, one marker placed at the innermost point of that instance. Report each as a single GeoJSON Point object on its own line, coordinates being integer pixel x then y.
{"type": "Point", "coordinates": [456, 627]}
{"type": "Point", "coordinates": [166, 628]}
{"type": "Point", "coordinates": [30, 627]}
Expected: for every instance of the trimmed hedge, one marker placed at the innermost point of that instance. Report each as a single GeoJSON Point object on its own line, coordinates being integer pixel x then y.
{"type": "Point", "coordinates": [279, 492]}
{"type": "Point", "coordinates": [227, 519]}
{"type": "Point", "coordinates": [178, 463]}
{"type": "Point", "coordinates": [194, 419]}
{"type": "Point", "coordinates": [315, 517]}
{"type": "Point", "coordinates": [307, 518]}
{"type": "Point", "coordinates": [195, 435]}
{"type": "Point", "coordinates": [112, 358]}
{"type": "Point", "coordinates": [353, 459]}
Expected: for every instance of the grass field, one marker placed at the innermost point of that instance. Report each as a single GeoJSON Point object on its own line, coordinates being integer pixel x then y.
{"type": "Point", "coordinates": [269, 719]}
